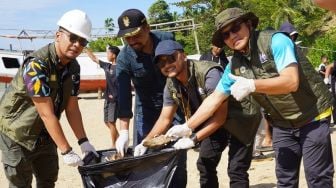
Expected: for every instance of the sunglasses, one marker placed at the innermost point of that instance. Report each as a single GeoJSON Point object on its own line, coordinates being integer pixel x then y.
{"type": "Point", "coordinates": [234, 29]}
{"type": "Point", "coordinates": [74, 38]}
{"type": "Point", "coordinates": [165, 59]}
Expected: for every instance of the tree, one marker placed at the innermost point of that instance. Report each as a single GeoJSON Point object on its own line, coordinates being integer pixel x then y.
{"type": "Point", "coordinates": [109, 25]}
{"type": "Point", "coordinates": [158, 12]}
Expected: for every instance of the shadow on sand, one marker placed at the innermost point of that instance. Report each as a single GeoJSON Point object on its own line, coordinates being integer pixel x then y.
{"type": "Point", "coordinates": [264, 185]}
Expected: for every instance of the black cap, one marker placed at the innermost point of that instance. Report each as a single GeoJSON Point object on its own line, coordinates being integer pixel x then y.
{"type": "Point", "coordinates": [130, 22]}
{"type": "Point", "coordinates": [166, 47]}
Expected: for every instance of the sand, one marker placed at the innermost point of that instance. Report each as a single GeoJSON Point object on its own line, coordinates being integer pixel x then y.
{"type": "Point", "coordinates": [261, 173]}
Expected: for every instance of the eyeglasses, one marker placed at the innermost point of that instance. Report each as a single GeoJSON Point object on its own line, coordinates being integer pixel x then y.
{"type": "Point", "coordinates": [166, 59]}
{"type": "Point", "coordinates": [74, 38]}
{"type": "Point", "coordinates": [234, 29]}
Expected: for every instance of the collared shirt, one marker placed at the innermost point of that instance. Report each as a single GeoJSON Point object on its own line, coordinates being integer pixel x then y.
{"type": "Point", "coordinates": [146, 77]}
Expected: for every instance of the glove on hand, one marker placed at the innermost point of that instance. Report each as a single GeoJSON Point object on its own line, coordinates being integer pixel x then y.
{"type": "Point", "coordinates": [122, 142]}
{"type": "Point", "coordinates": [242, 87]}
{"type": "Point", "coordinates": [178, 131]}
{"type": "Point", "coordinates": [86, 148]}
{"type": "Point", "coordinates": [184, 143]}
{"type": "Point", "coordinates": [326, 80]}
{"type": "Point", "coordinates": [140, 149]}
{"type": "Point", "coordinates": [72, 159]}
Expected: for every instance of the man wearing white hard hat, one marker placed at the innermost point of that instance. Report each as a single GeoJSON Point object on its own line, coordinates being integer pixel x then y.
{"type": "Point", "coordinates": [45, 85]}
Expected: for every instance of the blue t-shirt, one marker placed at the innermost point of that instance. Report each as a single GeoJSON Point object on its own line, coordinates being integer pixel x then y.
{"type": "Point", "coordinates": [283, 53]}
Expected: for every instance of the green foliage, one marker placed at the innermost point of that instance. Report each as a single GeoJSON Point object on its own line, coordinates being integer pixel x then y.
{"type": "Point", "coordinates": [159, 12]}
{"type": "Point", "coordinates": [325, 45]}
{"type": "Point", "coordinates": [109, 25]}
{"type": "Point", "coordinates": [100, 44]}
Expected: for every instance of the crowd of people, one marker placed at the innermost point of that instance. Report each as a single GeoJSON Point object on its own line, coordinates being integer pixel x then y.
{"type": "Point", "coordinates": [211, 103]}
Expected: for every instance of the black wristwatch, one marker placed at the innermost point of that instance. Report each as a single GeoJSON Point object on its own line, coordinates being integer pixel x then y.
{"type": "Point", "coordinates": [194, 138]}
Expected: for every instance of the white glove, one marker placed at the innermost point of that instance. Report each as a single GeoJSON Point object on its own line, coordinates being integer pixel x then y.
{"type": "Point", "coordinates": [242, 87]}
{"type": "Point", "coordinates": [326, 80]}
{"type": "Point", "coordinates": [86, 148]}
{"type": "Point", "coordinates": [140, 149]}
{"type": "Point", "coordinates": [72, 159]}
{"type": "Point", "coordinates": [184, 143]}
{"type": "Point", "coordinates": [178, 131]}
{"type": "Point", "coordinates": [122, 142]}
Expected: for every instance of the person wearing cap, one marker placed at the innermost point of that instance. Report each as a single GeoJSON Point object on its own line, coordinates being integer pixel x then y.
{"type": "Point", "coordinates": [45, 85]}
{"type": "Point", "coordinates": [290, 30]}
{"type": "Point", "coordinates": [216, 55]}
{"type": "Point", "coordinates": [111, 91]}
{"type": "Point", "coordinates": [267, 66]}
{"type": "Point", "coordinates": [135, 63]}
{"type": "Point", "coordinates": [189, 82]}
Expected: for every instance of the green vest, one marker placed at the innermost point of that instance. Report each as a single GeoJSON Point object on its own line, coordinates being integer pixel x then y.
{"type": "Point", "coordinates": [19, 119]}
{"type": "Point", "coordinates": [243, 117]}
{"type": "Point", "coordinates": [286, 110]}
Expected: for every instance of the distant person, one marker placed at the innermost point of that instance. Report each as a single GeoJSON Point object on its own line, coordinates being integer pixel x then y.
{"type": "Point", "coordinates": [46, 84]}
{"type": "Point", "coordinates": [322, 66]}
{"type": "Point", "coordinates": [290, 30]}
{"type": "Point", "coordinates": [330, 79]}
{"type": "Point", "coordinates": [326, 4]}
{"type": "Point", "coordinates": [189, 82]}
{"type": "Point", "coordinates": [216, 55]}
{"type": "Point", "coordinates": [111, 91]}
{"type": "Point", "coordinates": [135, 63]}
{"type": "Point", "coordinates": [267, 66]}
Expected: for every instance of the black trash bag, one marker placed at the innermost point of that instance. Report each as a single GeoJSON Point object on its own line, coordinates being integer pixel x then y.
{"type": "Point", "coordinates": [155, 169]}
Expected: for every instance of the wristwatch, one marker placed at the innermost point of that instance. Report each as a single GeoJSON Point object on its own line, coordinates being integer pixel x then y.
{"type": "Point", "coordinates": [194, 138]}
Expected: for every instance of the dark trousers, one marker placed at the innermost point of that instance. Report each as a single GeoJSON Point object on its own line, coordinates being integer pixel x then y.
{"type": "Point", "coordinates": [312, 144]}
{"type": "Point", "coordinates": [20, 164]}
{"type": "Point", "coordinates": [210, 153]}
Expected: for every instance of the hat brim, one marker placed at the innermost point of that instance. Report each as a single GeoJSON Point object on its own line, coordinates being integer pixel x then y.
{"type": "Point", "coordinates": [129, 32]}
{"type": "Point", "coordinates": [170, 52]}
{"type": "Point", "coordinates": [217, 38]}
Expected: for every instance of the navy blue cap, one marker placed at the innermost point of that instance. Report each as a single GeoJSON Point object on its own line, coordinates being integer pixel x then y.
{"type": "Point", "coordinates": [130, 22]}
{"type": "Point", "coordinates": [289, 29]}
{"type": "Point", "coordinates": [166, 47]}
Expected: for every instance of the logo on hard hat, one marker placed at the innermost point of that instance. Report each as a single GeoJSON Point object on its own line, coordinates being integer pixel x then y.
{"type": "Point", "coordinates": [126, 21]}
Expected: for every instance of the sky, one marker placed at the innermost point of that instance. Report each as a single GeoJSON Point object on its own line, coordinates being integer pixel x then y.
{"type": "Point", "coordinates": [17, 15]}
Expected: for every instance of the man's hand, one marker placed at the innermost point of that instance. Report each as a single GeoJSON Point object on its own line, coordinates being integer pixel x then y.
{"type": "Point", "coordinates": [72, 159]}
{"type": "Point", "coordinates": [184, 143]}
{"type": "Point", "coordinates": [326, 81]}
{"type": "Point", "coordinates": [122, 142]}
{"type": "Point", "coordinates": [140, 149]}
{"type": "Point", "coordinates": [86, 148]}
{"type": "Point", "coordinates": [178, 131]}
{"type": "Point", "coordinates": [242, 87]}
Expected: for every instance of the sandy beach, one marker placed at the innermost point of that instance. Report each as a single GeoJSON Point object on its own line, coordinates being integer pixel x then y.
{"type": "Point", "coordinates": [261, 173]}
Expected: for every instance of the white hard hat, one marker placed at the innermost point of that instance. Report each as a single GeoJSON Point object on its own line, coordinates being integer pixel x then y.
{"type": "Point", "coordinates": [76, 22]}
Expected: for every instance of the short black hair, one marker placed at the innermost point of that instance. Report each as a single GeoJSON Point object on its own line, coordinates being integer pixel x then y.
{"type": "Point", "coordinates": [114, 49]}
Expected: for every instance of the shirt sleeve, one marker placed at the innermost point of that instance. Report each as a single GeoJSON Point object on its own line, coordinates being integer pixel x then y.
{"type": "Point", "coordinates": [225, 82]}
{"type": "Point", "coordinates": [36, 78]}
{"type": "Point", "coordinates": [104, 65]}
{"type": "Point", "coordinates": [124, 91]}
{"type": "Point", "coordinates": [167, 98]}
{"type": "Point", "coordinates": [283, 51]}
{"type": "Point", "coordinates": [212, 79]}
